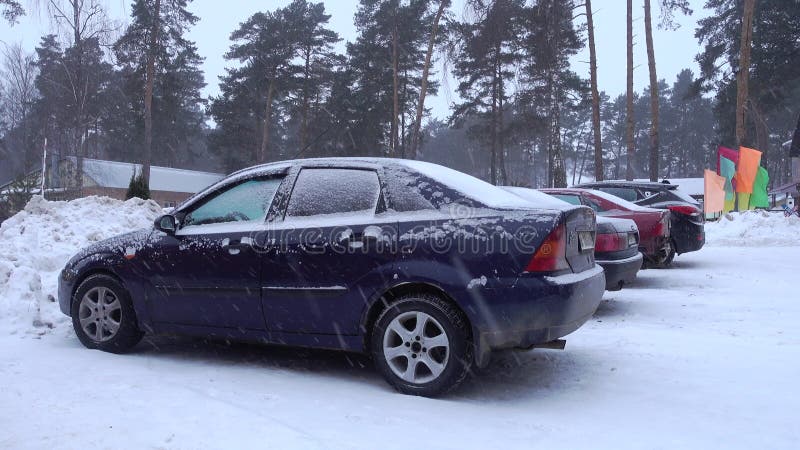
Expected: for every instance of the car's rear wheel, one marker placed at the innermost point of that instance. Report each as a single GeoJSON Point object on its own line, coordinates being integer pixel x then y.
{"type": "Point", "coordinates": [664, 257]}
{"type": "Point", "coordinates": [103, 316]}
{"type": "Point", "coordinates": [421, 345]}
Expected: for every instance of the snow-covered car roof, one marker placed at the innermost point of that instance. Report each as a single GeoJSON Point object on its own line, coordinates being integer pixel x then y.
{"type": "Point", "coordinates": [472, 187]}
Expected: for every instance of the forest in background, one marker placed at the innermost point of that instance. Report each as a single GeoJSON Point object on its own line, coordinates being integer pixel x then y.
{"type": "Point", "coordinates": [524, 116]}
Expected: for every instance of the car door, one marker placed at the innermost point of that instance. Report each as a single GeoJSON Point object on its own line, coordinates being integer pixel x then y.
{"type": "Point", "coordinates": [334, 249]}
{"type": "Point", "coordinates": [208, 273]}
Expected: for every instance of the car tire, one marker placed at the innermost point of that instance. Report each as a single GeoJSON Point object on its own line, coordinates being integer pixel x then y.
{"type": "Point", "coordinates": [103, 316]}
{"type": "Point", "coordinates": [672, 253]}
{"type": "Point", "coordinates": [427, 360]}
{"type": "Point", "coordinates": [664, 260]}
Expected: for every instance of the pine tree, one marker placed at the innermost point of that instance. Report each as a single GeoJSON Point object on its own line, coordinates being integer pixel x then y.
{"type": "Point", "coordinates": [485, 60]}
{"type": "Point", "coordinates": [138, 187]}
{"type": "Point", "coordinates": [286, 58]}
{"type": "Point", "coordinates": [176, 103]}
{"type": "Point", "coordinates": [432, 40]}
{"type": "Point", "coordinates": [68, 124]}
{"type": "Point", "coordinates": [386, 62]}
{"type": "Point", "coordinates": [318, 61]}
{"type": "Point", "coordinates": [596, 133]}
{"type": "Point", "coordinates": [629, 172]}
{"type": "Point", "coordinates": [773, 97]}
{"type": "Point", "coordinates": [11, 10]}
{"type": "Point", "coordinates": [548, 83]}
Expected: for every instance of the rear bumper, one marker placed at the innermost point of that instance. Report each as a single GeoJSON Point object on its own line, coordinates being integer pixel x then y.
{"type": "Point", "coordinates": [654, 247]}
{"type": "Point", "coordinates": [621, 271]}
{"type": "Point", "coordinates": [688, 236]}
{"type": "Point", "coordinates": [538, 309]}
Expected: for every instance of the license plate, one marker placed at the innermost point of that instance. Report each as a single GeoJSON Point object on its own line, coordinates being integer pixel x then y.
{"type": "Point", "coordinates": [631, 240]}
{"type": "Point", "coordinates": [586, 240]}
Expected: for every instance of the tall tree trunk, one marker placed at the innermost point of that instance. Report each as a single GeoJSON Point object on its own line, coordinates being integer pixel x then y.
{"type": "Point", "coordinates": [629, 104]}
{"type": "Point", "coordinates": [493, 131]}
{"type": "Point", "coordinates": [598, 145]}
{"type": "Point", "coordinates": [262, 154]}
{"type": "Point", "coordinates": [306, 100]}
{"type": "Point", "coordinates": [743, 77]}
{"type": "Point", "coordinates": [501, 133]}
{"type": "Point", "coordinates": [651, 64]}
{"type": "Point", "coordinates": [79, 94]}
{"type": "Point", "coordinates": [403, 143]}
{"type": "Point", "coordinates": [423, 91]}
{"type": "Point", "coordinates": [148, 93]}
{"type": "Point", "coordinates": [559, 169]}
{"type": "Point", "coordinates": [396, 87]}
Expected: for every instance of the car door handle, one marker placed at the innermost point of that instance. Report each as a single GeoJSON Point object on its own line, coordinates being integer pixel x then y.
{"type": "Point", "coordinates": [235, 246]}
{"type": "Point", "coordinates": [356, 240]}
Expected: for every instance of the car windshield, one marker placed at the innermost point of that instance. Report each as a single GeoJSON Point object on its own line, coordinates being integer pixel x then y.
{"type": "Point", "coordinates": [478, 190]}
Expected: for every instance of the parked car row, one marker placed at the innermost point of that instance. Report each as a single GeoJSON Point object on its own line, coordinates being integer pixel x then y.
{"type": "Point", "coordinates": [616, 244]}
{"type": "Point", "coordinates": [426, 269]}
{"type": "Point", "coordinates": [653, 225]}
{"type": "Point", "coordinates": [687, 221]}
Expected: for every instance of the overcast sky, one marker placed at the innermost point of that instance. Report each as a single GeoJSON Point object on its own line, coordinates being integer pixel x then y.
{"type": "Point", "coordinates": [675, 50]}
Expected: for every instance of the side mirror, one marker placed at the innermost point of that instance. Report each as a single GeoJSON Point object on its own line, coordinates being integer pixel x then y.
{"type": "Point", "coordinates": [166, 224]}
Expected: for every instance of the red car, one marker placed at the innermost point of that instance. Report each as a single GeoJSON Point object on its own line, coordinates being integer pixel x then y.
{"type": "Point", "coordinates": [654, 228]}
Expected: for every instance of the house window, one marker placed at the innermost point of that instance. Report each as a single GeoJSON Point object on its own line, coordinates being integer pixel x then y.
{"type": "Point", "coordinates": [170, 204]}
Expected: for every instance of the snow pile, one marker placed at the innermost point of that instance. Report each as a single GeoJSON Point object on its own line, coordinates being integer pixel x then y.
{"type": "Point", "coordinates": [36, 243]}
{"type": "Point", "coordinates": [754, 229]}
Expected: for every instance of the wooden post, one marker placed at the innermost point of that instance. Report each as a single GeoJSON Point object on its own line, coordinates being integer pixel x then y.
{"type": "Point", "coordinates": [44, 167]}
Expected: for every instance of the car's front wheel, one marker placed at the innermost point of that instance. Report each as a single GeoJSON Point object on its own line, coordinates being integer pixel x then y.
{"type": "Point", "coordinates": [421, 345]}
{"type": "Point", "coordinates": [103, 316]}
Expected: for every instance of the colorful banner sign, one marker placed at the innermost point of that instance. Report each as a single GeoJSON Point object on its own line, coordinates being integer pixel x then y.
{"type": "Point", "coordinates": [746, 170]}
{"type": "Point", "coordinates": [714, 192]}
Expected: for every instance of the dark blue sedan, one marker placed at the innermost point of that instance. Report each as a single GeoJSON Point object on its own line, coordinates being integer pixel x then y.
{"type": "Point", "coordinates": [423, 267]}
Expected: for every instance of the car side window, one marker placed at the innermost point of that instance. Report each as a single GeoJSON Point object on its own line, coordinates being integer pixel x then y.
{"type": "Point", "coordinates": [403, 189]}
{"type": "Point", "coordinates": [572, 199]}
{"type": "Point", "coordinates": [628, 194]}
{"type": "Point", "coordinates": [334, 191]}
{"type": "Point", "coordinates": [593, 204]}
{"type": "Point", "coordinates": [245, 201]}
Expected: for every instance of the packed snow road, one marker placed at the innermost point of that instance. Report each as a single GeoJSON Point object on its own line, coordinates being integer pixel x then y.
{"type": "Point", "coordinates": [702, 355]}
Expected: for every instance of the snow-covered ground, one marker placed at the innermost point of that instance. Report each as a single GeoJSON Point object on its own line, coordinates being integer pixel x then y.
{"type": "Point", "coordinates": [703, 355]}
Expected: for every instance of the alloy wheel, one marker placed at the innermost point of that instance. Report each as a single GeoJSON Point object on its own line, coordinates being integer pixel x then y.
{"type": "Point", "coordinates": [100, 314]}
{"type": "Point", "coordinates": [416, 347]}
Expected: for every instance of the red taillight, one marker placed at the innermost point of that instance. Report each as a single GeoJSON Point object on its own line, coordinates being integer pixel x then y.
{"type": "Point", "coordinates": [551, 255]}
{"type": "Point", "coordinates": [610, 243]}
{"type": "Point", "coordinates": [689, 210]}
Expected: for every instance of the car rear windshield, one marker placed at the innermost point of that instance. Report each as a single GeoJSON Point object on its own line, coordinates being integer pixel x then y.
{"type": "Point", "coordinates": [539, 199]}
{"type": "Point", "coordinates": [473, 188]}
{"type": "Point", "coordinates": [620, 201]}
{"type": "Point", "coordinates": [628, 194]}
{"type": "Point", "coordinates": [683, 196]}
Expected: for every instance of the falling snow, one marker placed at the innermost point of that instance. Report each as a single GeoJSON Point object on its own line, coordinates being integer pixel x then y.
{"type": "Point", "coordinates": [702, 355]}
